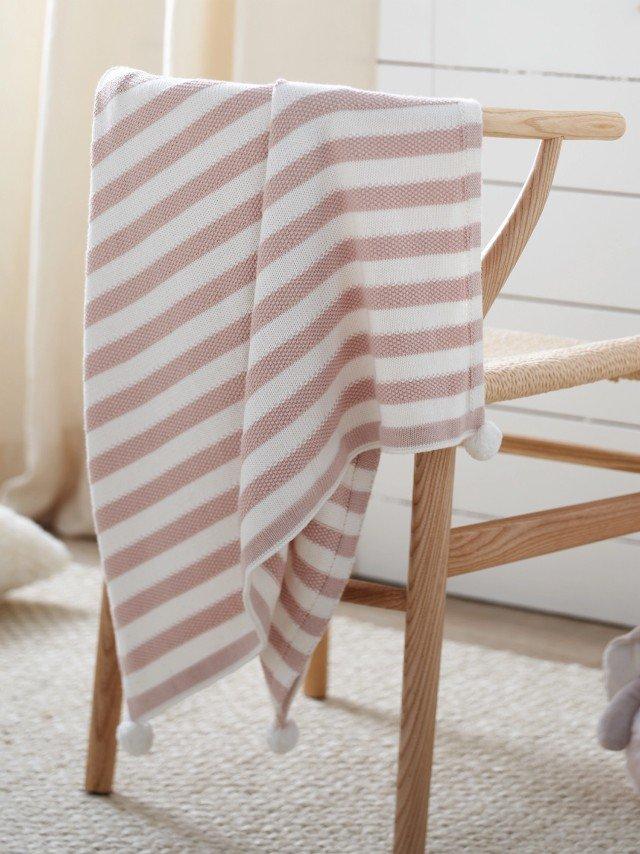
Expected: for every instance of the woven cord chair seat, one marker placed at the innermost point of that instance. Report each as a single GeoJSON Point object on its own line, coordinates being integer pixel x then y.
{"type": "Point", "coordinates": [520, 364]}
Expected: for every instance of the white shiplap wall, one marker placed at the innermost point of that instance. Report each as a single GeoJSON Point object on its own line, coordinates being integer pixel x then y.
{"type": "Point", "coordinates": [579, 276]}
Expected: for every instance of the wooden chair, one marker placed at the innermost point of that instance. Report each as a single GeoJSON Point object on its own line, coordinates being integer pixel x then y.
{"type": "Point", "coordinates": [517, 366]}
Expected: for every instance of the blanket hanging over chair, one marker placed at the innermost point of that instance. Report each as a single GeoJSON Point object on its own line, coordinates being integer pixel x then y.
{"type": "Point", "coordinates": [281, 281]}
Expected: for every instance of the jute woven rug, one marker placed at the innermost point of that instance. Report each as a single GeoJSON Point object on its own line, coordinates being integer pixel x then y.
{"type": "Point", "coordinates": [518, 769]}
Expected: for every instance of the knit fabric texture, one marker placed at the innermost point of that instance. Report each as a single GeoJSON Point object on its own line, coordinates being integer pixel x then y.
{"type": "Point", "coordinates": [281, 281]}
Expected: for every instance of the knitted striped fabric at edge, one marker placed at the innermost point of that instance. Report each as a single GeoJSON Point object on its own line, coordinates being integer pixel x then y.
{"type": "Point", "coordinates": [281, 281]}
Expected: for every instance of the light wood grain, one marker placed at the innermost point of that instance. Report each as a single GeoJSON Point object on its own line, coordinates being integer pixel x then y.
{"type": "Point", "coordinates": [566, 452]}
{"type": "Point", "coordinates": [430, 527]}
{"type": "Point", "coordinates": [316, 678]}
{"type": "Point", "coordinates": [361, 591]}
{"type": "Point", "coordinates": [501, 541]}
{"type": "Point", "coordinates": [106, 709]}
{"type": "Point", "coordinates": [502, 253]}
{"type": "Point", "coordinates": [551, 124]}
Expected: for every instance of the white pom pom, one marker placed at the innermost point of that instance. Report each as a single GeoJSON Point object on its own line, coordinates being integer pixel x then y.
{"type": "Point", "coordinates": [485, 442]}
{"type": "Point", "coordinates": [135, 738]}
{"type": "Point", "coordinates": [282, 739]}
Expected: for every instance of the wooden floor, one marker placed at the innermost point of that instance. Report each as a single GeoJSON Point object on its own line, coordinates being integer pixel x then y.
{"type": "Point", "coordinates": [544, 636]}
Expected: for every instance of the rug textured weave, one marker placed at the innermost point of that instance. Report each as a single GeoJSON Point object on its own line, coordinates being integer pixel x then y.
{"type": "Point", "coordinates": [517, 766]}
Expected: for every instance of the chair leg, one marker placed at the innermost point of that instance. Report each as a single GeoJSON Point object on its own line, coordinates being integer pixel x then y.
{"type": "Point", "coordinates": [430, 527]}
{"type": "Point", "coordinates": [315, 682]}
{"type": "Point", "coordinates": [107, 706]}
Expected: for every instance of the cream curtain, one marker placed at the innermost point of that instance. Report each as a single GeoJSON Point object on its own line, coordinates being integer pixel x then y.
{"type": "Point", "coordinates": [51, 57]}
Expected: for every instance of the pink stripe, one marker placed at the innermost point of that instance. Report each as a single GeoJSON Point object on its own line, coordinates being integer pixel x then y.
{"type": "Point", "coordinates": [261, 610]}
{"type": "Point", "coordinates": [380, 197]}
{"type": "Point", "coordinates": [418, 294]}
{"type": "Point", "coordinates": [167, 209]}
{"type": "Point", "coordinates": [375, 147]}
{"type": "Point", "coordinates": [187, 363]}
{"type": "Point", "coordinates": [186, 680]}
{"type": "Point", "coordinates": [262, 543]}
{"type": "Point", "coordinates": [291, 656]}
{"type": "Point", "coordinates": [423, 388]}
{"type": "Point", "coordinates": [307, 622]}
{"type": "Point", "coordinates": [180, 582]}
{"type": "Point", "coordinates": [149, 440]}
{"type": "Point", "coordinates": [367, 460]}
{"type": "Point", "coordinates": [277, 690]}
{"type": "Point", "coordinates": [329, 538]}
{"type": "Point", "coordinates": [180, 633]}
{"type": "Point", "coordinates": [425, 435]}
{"type": "Point", "coordinates": [169, 482]}
{"type": "Point", "coordinates": [176, 532]}
{"type": "Point", "coordinates": [197, 302]}
{"type": "Point", "coordinates": [284, 470]}
{"type": "Point", "coordinates": [426, 340]}
{"type": "Point", "coordinates": [318, 104]}
{"type": "Point", "coordinates": [315, 579]}
{"type": "Point", "coordinates": [212, 122]}
{"type": "Point", "coordinates": [379, 248]}
{"type": "Point", "coordinates": [146, 115]}
{"type": "Point", "coordinates": [118, 86]}
{"type": "Point", "coordinates": [350, 499]}
{"type": "Point", "coordinates": [191, 249]}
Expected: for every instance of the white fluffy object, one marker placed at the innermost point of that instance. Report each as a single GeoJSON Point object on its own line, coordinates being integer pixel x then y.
{"type": "Point", "coordinates": [27, 552]}
{"type": "Point", "coordinates": [621, 664]}
{"type": "Point", "coordinates": [485, 442]}
{"type": "Point", "coordinates": [135, 738]}
{"type": "Point", "coordinates": [283, 738]}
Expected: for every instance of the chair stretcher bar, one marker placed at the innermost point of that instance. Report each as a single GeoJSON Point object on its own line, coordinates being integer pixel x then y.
{"type": "Point", "coordinates": [500, 541]}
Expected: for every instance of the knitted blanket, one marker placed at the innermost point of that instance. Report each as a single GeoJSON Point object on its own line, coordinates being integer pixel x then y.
{"type": "Point", "coordinates": [281, 281]}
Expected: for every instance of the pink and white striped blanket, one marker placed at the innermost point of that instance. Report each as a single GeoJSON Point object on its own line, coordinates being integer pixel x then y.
{"type": "Point", "coordinates": [281, 281]}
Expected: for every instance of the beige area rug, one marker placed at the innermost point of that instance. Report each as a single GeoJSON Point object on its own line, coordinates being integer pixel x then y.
{"type": "Point", "coordinates": [518, 769]}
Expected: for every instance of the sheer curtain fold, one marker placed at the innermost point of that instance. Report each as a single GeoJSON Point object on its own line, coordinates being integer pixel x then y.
{"type": "Point", "coordinates": [52, 55]}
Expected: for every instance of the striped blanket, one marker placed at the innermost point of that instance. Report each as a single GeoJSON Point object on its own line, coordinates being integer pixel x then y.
{"type": "Point", "coordinates": [281, 281]}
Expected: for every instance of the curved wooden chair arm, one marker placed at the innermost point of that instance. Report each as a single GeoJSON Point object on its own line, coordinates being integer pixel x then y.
{"type": "Point", "coordinates": [551, 127]}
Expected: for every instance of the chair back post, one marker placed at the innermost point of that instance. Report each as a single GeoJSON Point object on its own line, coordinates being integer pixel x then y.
{"type": "Point", "coordinates": [551, 127]}
{"type": "Point", "coordinates": [502, 253]}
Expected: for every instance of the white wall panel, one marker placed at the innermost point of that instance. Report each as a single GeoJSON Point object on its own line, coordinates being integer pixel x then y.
{"type": "Point", "coordinates": [405, 30]}
{"type": "Point", "coordinates": [598, 37]}
{"type": "Point", "coordinates": [585, 248]}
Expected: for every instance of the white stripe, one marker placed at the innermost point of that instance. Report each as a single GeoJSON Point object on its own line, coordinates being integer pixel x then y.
{"type": "Point", "coordinates": [339, 518]}
{"type": "Point", "coordinates": [125, 103]}
{"type": "Point", "coordinates": [435, 409]}
{"type": "Point", "coordinates": [436, 364]}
